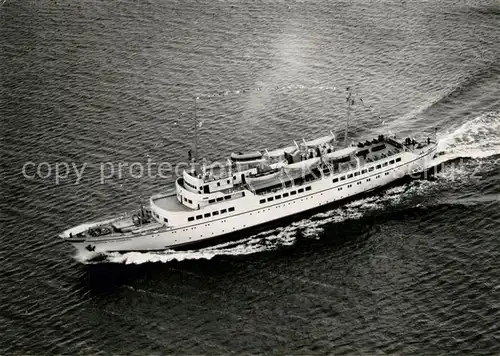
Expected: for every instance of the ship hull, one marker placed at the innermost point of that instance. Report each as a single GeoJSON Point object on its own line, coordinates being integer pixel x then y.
{"type": "Point", "coordinates": [254, 215]}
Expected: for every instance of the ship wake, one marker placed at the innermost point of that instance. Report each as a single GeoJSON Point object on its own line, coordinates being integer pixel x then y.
{"type": "Point", "coordinates": [476, 139]}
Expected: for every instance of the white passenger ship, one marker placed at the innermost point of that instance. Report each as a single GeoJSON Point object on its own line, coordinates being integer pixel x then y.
{"type": "Point", "coordinates": [254, 189]}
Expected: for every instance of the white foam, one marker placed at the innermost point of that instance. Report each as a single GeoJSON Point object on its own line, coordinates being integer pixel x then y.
{"type": "Point", "coordinates": [477, 138]}
{"type": "Point", "coordinates": [275, 238]}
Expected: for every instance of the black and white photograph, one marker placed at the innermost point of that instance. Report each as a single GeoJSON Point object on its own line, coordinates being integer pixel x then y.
{"type": "Point", "coordinates": [250, 177]}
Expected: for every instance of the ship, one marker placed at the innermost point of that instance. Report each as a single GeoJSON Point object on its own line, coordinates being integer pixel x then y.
{"type": "Point", "coordinates": [210, 203]}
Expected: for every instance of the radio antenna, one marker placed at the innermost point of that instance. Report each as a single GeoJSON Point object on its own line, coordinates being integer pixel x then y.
{"type": "Point", "coordinates": [350, 101]}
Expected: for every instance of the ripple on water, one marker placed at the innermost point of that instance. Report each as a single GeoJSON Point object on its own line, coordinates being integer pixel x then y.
{"type": "Point", "coordinates": [409, 270]}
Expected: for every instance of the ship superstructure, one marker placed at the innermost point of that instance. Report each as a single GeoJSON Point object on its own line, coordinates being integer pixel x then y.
{"type": "Point", "coordinates": [255, 188]}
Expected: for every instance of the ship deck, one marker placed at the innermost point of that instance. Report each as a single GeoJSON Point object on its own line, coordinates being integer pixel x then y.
{"type": "Point", "coordinates": [306, 176]}
{"type": "Point", "coordinates": [315, 174]}
{"type": "Point", "coordinates": [169, 203]}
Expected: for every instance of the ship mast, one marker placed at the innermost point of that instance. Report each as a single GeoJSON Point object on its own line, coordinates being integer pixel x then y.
{"type": "Point", "coordinates": [195, 130]}
{"type": "Point", "coordinates": [350, 101]}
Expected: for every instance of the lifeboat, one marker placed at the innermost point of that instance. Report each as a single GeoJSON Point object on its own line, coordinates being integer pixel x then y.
{"type": "Point", "coordinates": [345, 152]}
{"type": "Point", "coordinates": [320, 141]}
{"type": "Point", "coordinates": [246, 157]}
{"type": "Point", "coordinates": [302, 165]}
{"type": "Point", "coordinates": [263, 177]}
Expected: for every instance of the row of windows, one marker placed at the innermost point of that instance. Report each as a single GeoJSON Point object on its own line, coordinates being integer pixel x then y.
{"type": "Point", "coordinates": [190, 185]}
{"type": "Point", "coordinates": [211, 201]}
{"type": "Point", "coordinates": [285, 195]}
{"type": "Point", "coordinates": [360, 182]}
{"type": "Point", "coordinates": [228, 182]}
{"type": "Point", "coordinates": [213, 213]}
{"type": "Point", "coordinates": [363, 171]}
{"type": "Point", "coordinates": [226, 197]}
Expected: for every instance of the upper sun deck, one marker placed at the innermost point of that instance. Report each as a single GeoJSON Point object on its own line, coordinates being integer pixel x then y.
{"type": "Point", "coordinates": [169, 202]}
{"type": "Point", "coordinates": [211, 172]}
{"type": "Point", "coordinates": [255, 171]}
{"type": "Point", "coordinates": [341, 164]}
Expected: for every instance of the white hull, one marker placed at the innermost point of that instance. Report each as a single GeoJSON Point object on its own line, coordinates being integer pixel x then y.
{"type": "Point", "coordinates": [251, 212]}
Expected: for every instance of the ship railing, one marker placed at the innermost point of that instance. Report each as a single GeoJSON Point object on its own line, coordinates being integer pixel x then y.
{"type": "Point", "coordinates": [210, 174]}
{"type": "Point", "coordinates": [343, 168]}
{"type": "Point", "coordinates": [287, 184]}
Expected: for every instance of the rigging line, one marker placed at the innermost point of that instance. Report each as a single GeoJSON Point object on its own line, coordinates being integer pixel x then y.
{"type": "Point", "coordinates": [276, 88]}
{"type": "Point", "coordinates": [369, 107]}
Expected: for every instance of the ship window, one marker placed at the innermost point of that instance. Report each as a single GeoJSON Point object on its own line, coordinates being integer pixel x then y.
{"type": "Point", "coordinates": [285, 195]}
{"type": "Point", "coordinates": [386, 173]}
{"type": "Point", "coordinates": [211, 201]}
{"type": "Point", "coordinates": [220, 199]}
{"type": "Point", "coordinates": [301, 190]}
{"type": "Point", "coordinates": [270, 199]}
{"type": "Point", "coordinates": [398, 159]}
{"type": "Point", "coordinates": [356, 174]}
{"type": "Point", "coordinates": [223, 211]}
{"type": "Point", "coordinates": [349, 176]}
{"type": "Point", "coordinates": [391, 161]}
{"type": "Point", "coordinates": [335, 180]}
{"type": "Point", "coordinates": [165, 219]}
{"type": "Point", "coordinates": [262, 201]}
{"type": "Point", "coordinates": [228, 181]}
{"type": "Point", "coordinates": [385, 164]}
{"type": "Point", "coordinates": [185, 199]}
{"type": "Point", "coordinates": [191, 218]}
{"type": "Point", "coordinates": [218, 184]}
{"type": "Point", "coordinates": [350, 185]}
{"type": "Point", "coordinates": [231, 209]}
{"type": "Point", "coordinates": [215, 213]}
{"type": "Point", "coordinates": [207, 215]}
{"type": "Point", "coordinates": [198, 217]}
{"type": "Point", "coordinates": [363, 171]}
{"type": "Point", "coordinates": [277, 197]}
{"type": "Point", "coordinates": [308, 188]}
{"type": "Point", "coordinates": [234, 177]}
{"type": "Point", "coordinates": [379, 166]}
{"type": "Point", "coordinates": [293, 192]}
{"type": "Point", "coordinates": [368, 180]}
{"type": "Point", "coordinates": [340, 189]}
{"type": "Point", "coordinates": [242, 194]}
{"type": "Point", "coordinates": [190, 201]}
{"type": "Point", "coordinates": [370, 169]}
{"type": "Point", "coordinates": [342, 178]}
{"type": "Point", "coordinates": [227, 197]}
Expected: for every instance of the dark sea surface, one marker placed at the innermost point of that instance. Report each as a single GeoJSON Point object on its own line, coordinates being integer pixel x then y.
{"type": "Point", "coordinates": [414, 269]}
